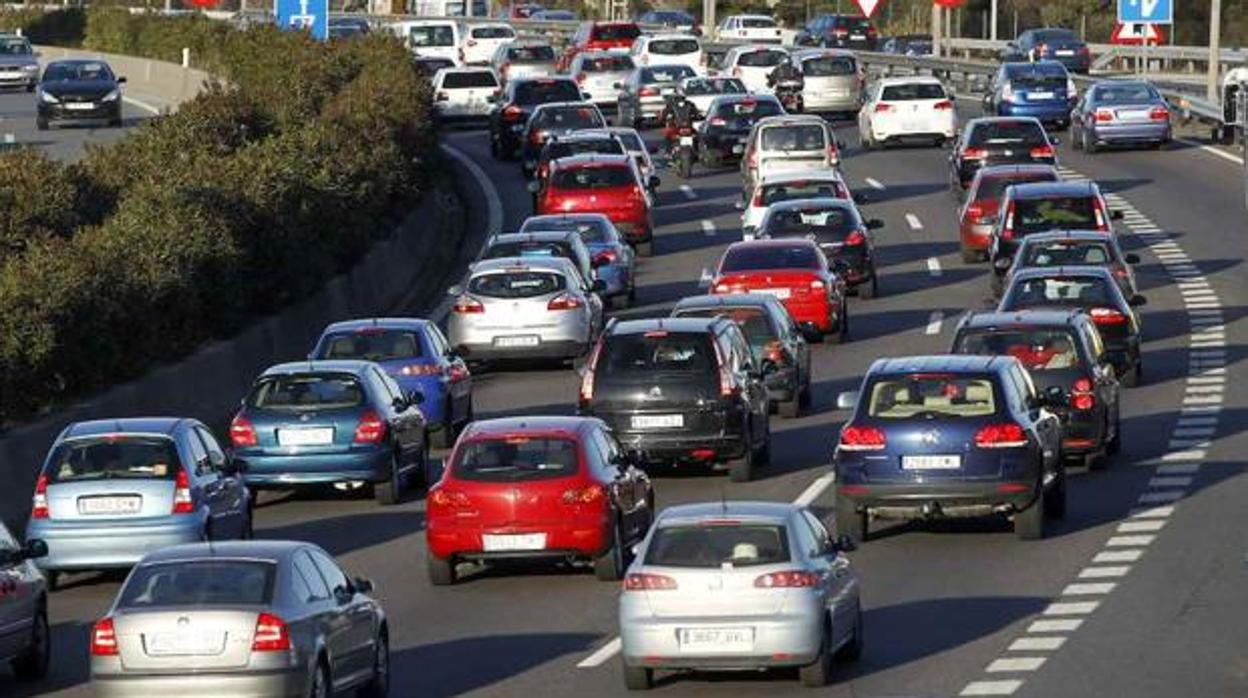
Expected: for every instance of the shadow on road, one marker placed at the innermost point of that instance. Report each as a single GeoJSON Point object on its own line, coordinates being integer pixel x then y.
{"type": "Point", "coordinates": [447, 668]}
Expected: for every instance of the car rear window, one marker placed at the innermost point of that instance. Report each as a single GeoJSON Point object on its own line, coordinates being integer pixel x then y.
{"type": "Point", "coordinates": [197, 583]}
{"type": "Point", "coordinates": [667, 73]}
{"type": "Point", "coordinates": [803, 137]}
{"type": "Point", "coordinates": [430, 36]}
{"type": "Point", "coordinates": [823, 221]}
{"type": "Point", "coordinates": [1125, 94]}
{"type": "Point", "coordinates": [372, 344]}
{"type": "Point", "coordinates": [748, 109]}
{"type": "Point", "coordinates": [750, 257]}
{"type": "Point", "coordinates": [607, 64]}
{"type": "Point", "coordinates": [1039, 349]}
{"type": "Point", "coordinates": [307, 391]}
{"type": "Point", "coordinates": [912, 91]}
{"type": "Point", "coordinates": [593, 178]}
{"type": "Point", "coordinates": [515, 459]}
{"type": "Point", "coordinates": [531, 54]}
{"type": "Point", "coordinates": [1076, 291]}
{"type": "Point", "coordinates": [758, 22]}
{"type": "Point", "coordinates": [928, 395]}
{"type": "Point", "coordinates": [469, 79]}
{"type": "Point", "coordinates": [111, 457]}
{"type": "Point", "coordinates": [493, 32]}
{"type": "Point", "coordinates": [1058, 212]}
{"type": "Point", "coordinates": [713, 86]}
{"type": "Point", "coordinates": [658, 351]}
{"type": "Point", "coordinates": [1067, 253]}
{"type": "Point", "coordinates": [994, 187]}
{"type": "Point", "coordinates": [775, 193]}
{"type": "Point", "coordinates": [589, 230]}
{"type": "Point", "coordinates": [761, 59]}
{"type": "Point", "coordinates": [717, 543]}
{"type": "Point", "coordinates": [516, 284]}
{"type": "Point", "coordinates": [829, 66]}
{"type": "Point", "coordinates": [1055, 35]}
{"type": "Point", "coordinates": [542, 91]}
{"type": "Point", "coordinates": [615, 32]}
{"type": "Point", "coordinates": [754, 322]}
{"type": "Point", "coordinates": [673, 47]}
{"type": "Point", "coordinates": [1007, 133]}
{"type": "Point", "coordinates": [528, 248]}
{"type": "Point", "coordinates": [569, 118]}
{"type": "Point", "coordinates": [605, 146]}
{"type": "Point", "coordinates": [631, 140]}
{"type": "Point", "coordinates": [1038, 79]}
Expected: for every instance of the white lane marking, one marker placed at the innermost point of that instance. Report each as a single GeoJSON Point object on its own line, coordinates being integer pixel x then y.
{"type": "Point", "coordinates": [1064, 625]}
{"type": "Point", "coordinates": [1140, 526]}
{"type": "Point", "coordinates": [1164, 481]}
{"type": "Point", "coordinates": [1211, 150]}
{"type": "Point", "coordinates": [145, 106]}
{"type": "Point", "coordinates": [10, 139]}
{"type": "Point", "coordinates": [1178, 469]}
{"type": "Point", "coordinates": [1117, 556]}
{"type": "Point", "coordinates": [708, 228]}
{"type": "Point", "coordinates": [688, 192]}
{"type": "Point", "coordinates": [493, 207]}
{"type": "Point", "coordinates": [1128, 541]}
{"type": "Point", "coordinates": [1015, 664]}
{"type": "Point", "coordinates": [1089, 589]}
{"type": "Point", "coordinates": [991, 688]}
{"type": "Point", "coordinates": [933, 322]}
{"type": "Point", "coordinates": [1031, 644]}
{"type": "Point", "coordinates": [1104, 572]}
{"type": "Point", "coordinates": [1154, 512]}
{"type": "Point", "coordinates": [601, 655]}
{"type": "Point", "coordinates": [1079, 608]}
{"type": "Point", "coordinates": [933, 266]}
{"type": "Point", "coordinates": [1193, 432]}
{"type": "Point", "coordinates": [874, 183]}
{"type": "Point", "coordinates": [816, 488]}
{"type": "Point", "coordinates": [1161, 497]}
{"type": "Point", "coordinates": [914, 222]}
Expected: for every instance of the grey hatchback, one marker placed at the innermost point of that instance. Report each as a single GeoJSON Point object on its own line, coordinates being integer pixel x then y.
{"type": "Point", "coordinates": [24, 637]}
{"type": "Point", "coordinates": [248, 618]}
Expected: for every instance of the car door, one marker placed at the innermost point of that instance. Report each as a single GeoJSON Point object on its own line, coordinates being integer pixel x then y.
{"type": "Point", "coordinates": [840, 584]}
{"type": "Point", "coordinates": [357, 612]}
{"type": "Point", "coordinates": [230, 507]}
{"type": "Point", "coordinates": [459, 380]}
{"type": "Point", "coordinates": [408, 423]}
{"type": "Point", "coordinates": [606, 470]}
{"type": "Point", "coordinates": [208, 481]}
{"type": "Point", "coordinates": [1107, 386]}
{"type": "Point", "coordinates": [330, 623]}
{"type": "Point", "coordinates": [1046, 423]}
{"type": "Point", "coordinates": [630, 482]}
{"type": "Point", "coordinates": [742, 364]}
{"type": "Point", "coordinates": [18, 602]}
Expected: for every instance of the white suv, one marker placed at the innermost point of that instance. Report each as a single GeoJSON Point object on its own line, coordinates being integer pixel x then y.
{"type": "Point", "coordinates": [666, 49]}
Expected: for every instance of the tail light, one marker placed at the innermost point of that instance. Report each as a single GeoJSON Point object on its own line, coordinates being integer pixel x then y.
{"type": "Point", "coordinates": [855, 239]}
{"type": "Point", "coordinates": [975, 154]}
{"type": "Point", "coordinates": [1104, 116]}
{"type": "Point", "coordinates": [648, 92]}
{"type": "Point", "coordinates": [1006, 435]}
{"type": "Point", "coordinates": [1081, 395]}
{"type": "Point", "coordinates": [727, 387]}
{"type": "Point", "coordinates": [882, 107]}
{"type": "Point", "coordinates": [419, 370]}
{"type": "Point", "coordinates": [1007, 93]}
{"type": "Point", "coordinates": [104, 638]}
{"type": "Point", "coordinates": [648, 582]}
{"type": "Point", "coordinates": [1107, 316]}
{"type": "Point", "coordinates": [272, 634]}
{"type": "Point", "coordinates": [39, 503]}
{"type": "Point", "coordinates": [788, 579]}
{"type": "Point", "coordinates": [587, 380]}
{"type": "Point", "coordinates": [564, 301]}
{"type": "Point", "coordinates": [605, 257]}
{"type": "Point", "coordinates": [242, 433]}
{"type": "Point", "coordinates": [457, 373]}
{"type": "Point", "coordinates": [721, 288]}
{"type": "Point", "coordinates": [449, 499]}
{"type": "Point", "coordinates": [512, 113]}
{"type": "Point", "coordinates": [816, 285]}
{"type": "Point", "coordinates": [834, 155]}
{"type": "Point", "coordinates": [840, 32]}
{"type": "Point", "coordinates": [717, 121]}
{"type": "Point", "coordinates": [1007, 230]}
{"type": "Point", "coordinates": [943, 105]}
{"type": "Point", "coordinates": [182, 503]}
{"type": "Point", "coordinates": [466, 305]}
{"type": "Point", "coordinates": [442, 96]}
{"type": "Point", "coordinates": [1042, 151]}
{"type": "Point", "coordinates": [974, 213]}
{"type": "Point", "coordinates": [1102, 218]}
{"type": "Point", "coordinates": [736, 72]}
{"type": "Point", "coordinates": [536, 136]}
{"type": "Point", "coordinates": [1120, 272]}
{"type": "Point", "coordinates": [504, 69]}
{"type": "Point", "coordinates": [858, 438]}
{"type": "Point", "coordinates": [371, 429]}
{"type": "Point", "coordinates": [591, 494]}
{"type": "Point", "coordinates": [1159, 114]}
{"type": "Point", "coordinates": [774, 352]}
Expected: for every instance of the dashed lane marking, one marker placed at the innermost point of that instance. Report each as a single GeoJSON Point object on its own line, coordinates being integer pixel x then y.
{"type": "Point", "coordinates": [601, 655]}
{"type": "Point", "coordinates": [933, 322]}
{"type": "Point", "coordinates": [914, 222]}
{"type": "Point", "coordinates": [688, 191]}
{"type": "Point", "coordinates": [874, 183]}
{"type": "Point", "coordinates": [708, 228]}
{"type": "Point", "coordinates": [933, 266]}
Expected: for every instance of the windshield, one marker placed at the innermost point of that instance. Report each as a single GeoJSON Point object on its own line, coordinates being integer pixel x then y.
{"type": "Point", "coordinates": [530, 54]}
{"type": "Point", "coordinates": [307, 391]}
{"type": "Point", "coordinates": [195, 583]}
{"type": "Point", "coordinates": [1076, 291]}
{"type": "Point", "coordinates": [514, 459]}
{"type": "Point", "coordinates": [372, 345]}
{"type": "Point", "coordinates": [494, 32]}
{"type": "Point", "coordinates": [113, 457]}
{"type": "Point", "coordinates": [431, 36]}
{"type": "Point", "coordinates": [828, 66]}
{"type": "Point", "coordinates": [674, 47]}
{"type": "Point", "coordinates": [1027, 133]}
{"type": "Point", "coordinates": [606, 146]}
{"type": "Point", "coordinates": [527, 249]}
{"type": "Point", "coordinates": [469, 80]}
{"type": "Point", "coordinates": [667, 73]}
{"type": "Point", "coordinates": [516, 284]}
{"type": "Point", "coordinates": [823, 223]}
{"type": "Point", "coordinates": [1125, 94]}
{"type": "Point", "coordinates": [1066, 253]}
{"type": "Point", "coordinates": [750, 257]}
{"type": "Point", "coordinates": [911, 92]}
{"type": "Point", "coordinates": [928, 395]}
{"type": "Point", "coordinates": [616, 32]}
{"type": "Point", "coordinates": [658, 352]}
{"type": "Point", "coordinates": [775, 193]}
{"type": "Point", "coordinates": [1055, 35]}
{"type": "Point", "coordinates": [15, 47]}
{"type": "Point", "coordinates": [713, 86]}
{"type": "Point", "coordinates": [1059, 212]}
{"type": "Point", "coordinates": [994, 187]}
{"type": "Point", "coordinates": [542, 91]}
{"type": "Point", "coordinates": [761, 59]}
{"type": "Point", "coordinates": [804, 137]}
{"type": "Point", "coordinates": [1038, 79]}
{"type": "Point", "coordinates": [748, 109]}
{"type": "Point", "coordinates": [606, 64]}
{"type": "Point", "coordinates": [568, 118]}
{"type": "Point", "coordinates": [717, 543]}
{"type": "Point", "coordinates": [77, 71]}
{"type": "Point", "coordinates": [594, 178]}
{"type": "Point", "coordinates": [1038, 349]}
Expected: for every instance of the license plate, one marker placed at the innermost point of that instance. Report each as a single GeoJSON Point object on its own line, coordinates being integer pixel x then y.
{"type": "Point", "coordinates": [1133, 114]}
{"type": "Point", "coordinates": [187, 642]}
{"type": "Point", "coordinates": [857, 36]}
{"type": "Point", "coordinates": [319, 436]}
{"type": "Point", "coordinates": [931, 462]}
{"type": "Point", "coordinates": [781, 293]}
{"type": "Point", "coordinates": [109, 505]}
{"type": "Point", "coordinates": [506, 543]}
{"type": "Point", "coordinates": [738, 149]}
{"type": "Point", "coordinates": [718, 640]}
{"type": "Point", "coordinates": [521, 341]}
{"type": "Point", "coordinates": [80, 106]}
{"type": "Point", "coordinates": [652, 421]}
{"type": "Point", "coordinates": [1039, 95]}
{"type": "Point", "coordinates": [1065, 52]}
{"type": "Point", "coordinates": [686, 140]}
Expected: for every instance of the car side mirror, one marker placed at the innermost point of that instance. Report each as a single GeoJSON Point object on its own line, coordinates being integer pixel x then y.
{"type": "Point", "coordinates": [1054, 396]}
{"type": "Point", "coordinates": [875, 224]}
{"type": "Point", "coordinates": [847, 400]}
{"type": "Point", "coordinates": [598, 286]}
{"type": "Point", "coordinates": [586, 96]}
{"type": "Point", "coordinates": [455, 290]}
{"type": "Point", "coordinates": [1055, 140]}
{"type": "Point", "coordinates": [363, 585]}
{"type": "Point", "coordinates": [1137, 301]}
{"type": "Point", "coordinates": [34, 549]}
{"type": "Point", "coordinates": [1003, 263]}
{"type": "Point", "coordinates": [1132, 258]}
{"type": "Point", "coordinates": [740, 205]}
{"type": "Point", "coordinates": [655, 181]}
{"type": "Point", "coordinates": [704, 281]}
{"type": "Point", "coordinates": [399, 404]}
{"type": "Point", "coordinates": [844, 544]}
{"type": "Point", "coordinates": [1115, 215]}
{"type": "Point", "coordinates": [121, 80]}
{"type": "Point", "coordinates": [343, 594]}
{"type": "Point", "coordinates": [533, 187]}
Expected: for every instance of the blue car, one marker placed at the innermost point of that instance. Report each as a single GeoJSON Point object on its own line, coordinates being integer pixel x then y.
{"type": "Point", "coordinates": [613, 259]}
{"type": "Point", "coordinates": [1042, 90]}
{"type": "Point", "coordinates": [949, 436]}
{"type": "Point", "coordinates": [111, 491]}
{"type": "Point", "coordinates": [331, 422]}
{"type": "Point", "coordinates": [417, 356]}
{"type": "Point", "coordinates": [1121, 112]}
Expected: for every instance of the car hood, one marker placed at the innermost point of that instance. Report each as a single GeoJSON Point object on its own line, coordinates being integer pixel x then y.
{"type": "Point", "coordinates": [17, 61]}
{"type": "Point", "coordinates": [85, 88]}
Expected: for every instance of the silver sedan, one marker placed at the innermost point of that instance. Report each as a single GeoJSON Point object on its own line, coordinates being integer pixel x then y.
{"type": "Point", "coordinates": [739, 586]}
{"type": "Point", "coordinates": [253, 618]}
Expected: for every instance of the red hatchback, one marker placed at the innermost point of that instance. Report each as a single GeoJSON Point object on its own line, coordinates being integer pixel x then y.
{"type": "Point", "coordinates": [594, 183]}
{"type": "Point", "coordinates": [599, 36]}
{"type": "Point", "coordinates": [554, 488]}
{"type": "Point", "coordinates": [794, 271]}
{"type": "Point", "coordinates": [983, 203]}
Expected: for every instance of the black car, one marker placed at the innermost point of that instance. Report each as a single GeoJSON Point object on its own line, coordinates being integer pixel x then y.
{"type": "Point", "coordinates": [600, 142]}
{"type": "Point", "coordinates": [839, 229]}
{"type": "Point", "coordinates": [729, 120]}
{"type": "Point", "coordinates": [999, 140]}
{"type": "Point", "coordinates": [838, 31]}
{"type": "Point", "coordinates": [511, 112]}
{"type": "Point", "coordinates": [684, 391]}
{"type": "Point", "coordinates": [1061, 349]}
{"type": "Point", "coordinates": [348, 27]}
{"type": "Point", "coordinates": [948, 436]}
{"type": "Point", "coordinates": [78, 91]}
{"type": "Point", "coordinates": [1049, 44]}
{"type": "Point", "coordinates": [777, 342]}
{"type": "Point", "coordinates": [1064, 248]}
{"type": "Point", "coordinates": [551, 121]}
{"type": "Point", "coordinates": [1093, 290]}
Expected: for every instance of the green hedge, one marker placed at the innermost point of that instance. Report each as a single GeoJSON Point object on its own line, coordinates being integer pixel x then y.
{"type": "Point", "coordinates": [249, 197]}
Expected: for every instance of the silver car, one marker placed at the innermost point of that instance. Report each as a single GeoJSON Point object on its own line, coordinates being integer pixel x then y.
{"type": "Point", "coordinates": [19, 65]}
{"type": "Point", "coordinates": [832, 80]}
{"type": "Point", "coordinates": [111, 491]}
{"type": "Point", "coordinates": [598, 72]}
{"type": "Point", "coordinates": [524, 308]}
{"type": "Point", "coordinates": [251, 618]}
{"type": "Point", "coordinates": [25, 640]}
{"type": "Point", "coordinates": [613, 259]}
{"type": "Point", "coordinates": [739, 586]}
{"type": "Point", "coordinates": [524, 59]}
{"type": "Point", "coordinates": [641, 96]}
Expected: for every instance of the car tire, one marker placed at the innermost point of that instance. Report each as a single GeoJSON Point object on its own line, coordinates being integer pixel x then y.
{"type": "Point", "coordinates": [638, 678]}
{"type": "Point", "coordinates": [1114, 446]}
{"type": "Point", "coordinates": [852, 650]}
{"type": "Point", "coordinates": [441, 572]}
{"type": "Point", "coordinates": [609, 566]}
{"type": "Point", "coordinates": [41, 124]}
{"type": "Point", "coordinates": [849, 521]}
{"type": "Point", "coordinates": [32, 663]}
{"type": "Point", "coordinates": [390, 492]}
{"type": "Point", "coordinates": [619, 302]}
{"type": "Point", "coordinates": [870, 290]}
{"type": "Point", "coordinates": [1029, 523]}
{"type": "Point", "coordinates": [320, 681]}
{"type": "Point", "coordinates": [445, 437]}
{"type": "Point", "coordinates": [790, 409]}
{"type": "Point", "coordinates": [1089, 143]}
{"type": "Point", "coordinates": [379, 685]}
{"type": "Point", "coordinates": [742, 469]}
{"type": "Point", "coordinates": [818, 673]}
{"type": "Point", "coordinates": [1055, 497]}
{"type": "Point", "coordinates": [763, 456]}
{"type": "Point", "coordinates": [644, 249]}
{"type": "Point", "coordinates": [1131, 378]}
{"type": "Point", "coordinates": [495, 151]}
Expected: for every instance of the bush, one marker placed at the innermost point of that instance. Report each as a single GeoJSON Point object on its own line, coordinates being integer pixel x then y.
{"type": "Point", "coordinates": [38, 197]}
{"type": "Point", "coordinates": [58, 27]}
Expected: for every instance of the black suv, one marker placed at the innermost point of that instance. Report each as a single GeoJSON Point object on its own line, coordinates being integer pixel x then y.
{"type": "Point", "coordinates": [776, 341]}
{"type": "Point", "coordinates": [999, 140]}
{"type": "Point", "coordinates": [1063, 349]}
{"type": "Point", "coordinates": [838, 31]}
{"type": "Point", "coordinates": [730, 118]}
{"type": "Point", "coordinates": [681, 391]}
{"type": "Point", "coordinates": [511, 112]}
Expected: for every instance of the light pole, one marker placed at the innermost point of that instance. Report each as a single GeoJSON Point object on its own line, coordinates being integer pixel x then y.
{"type": "Point", "coordinates": [993, 21]}
{"type": "Point", "coordinates": [1215, 50]}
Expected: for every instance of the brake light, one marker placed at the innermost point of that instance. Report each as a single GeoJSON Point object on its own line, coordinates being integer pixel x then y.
{"type": "Point", "coordinates": [104, 638]}
{"type": "Point", "coordinates": [883, 107]}
{"type": "Point", "coordinates": [788, 579]}
{"type": "Point", "coordinates": [272, 634]}
{"type": "Point", "coordinates": [648, 582]}
{"type": "Point", "coordinates": [605, 257]}
{"type": "Point", "coordinates": [974, 213]}
{"type": "Point", "coordinates": [467, 305]}
{"type": "Point", "coordinates": [242, 433]}
{"type": "Point", "coordinates": [648, 92]}
{"type": "Point", "coordinates": [840, 32]}
{"type": "Point", "coordinates": [587, 380]}
{"type": "Point", "coordinates": [1006, 435]}
{"type": "Point", "coordinates": [1042, 151]}
{"type": "Point", "coordinates": [415, 370]}
{"type": "Point", "coordinates": [564, 301]}
{"type": "Point", "coordinates": [449, 499]}
{"type": "Point", "coordinates": [943, 105]}
{"type": "Point", "coordinates": [1081, 396]}
{"type": "Point", "coordinates": [975, 154]}
{"type": "Point", "coordinates": [1107, 316]}
{"type": "Point", "coordinates": [513, 113]}
{"type": "Point", "coordinates": [1104, 116]}
{"type": "Point", "coordinates": [457, 373]}
{"type": "Point", "coordinates": [816, 285]}
{"type": "Point", "coordinates": [371, 428]}
{"type": "Point", "coordinates": [717, 121]}
{"type": "Point", "coordinates": [1159, 114]}
{"type": "Point", "coordinates": [39, 503]}
{"type": "Point", "coordinates": [727, 387]}
{"type": "Point", "coordinates": [721, 288]}
{"type": "Point", "coordinates": [855, 239]}
{"type": "Point", "coordinates": [591, 494]}
{"type": "Point", "coordinates": [752, 160]}
{"type": "Point", "coordinates": [1007, 231]}
{"type": "Point", "coordinates": [859, 438]}
{"type": "Point", "coordinates": [834, 155]}
{"type": "Point", "coordinates": [774, 352]}
{"type": "Point", "coordinates": [182, 493]}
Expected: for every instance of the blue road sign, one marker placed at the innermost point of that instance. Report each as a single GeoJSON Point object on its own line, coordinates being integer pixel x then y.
{"type": "Point", "coordinates": [308, 15]}
{"type": "Point", "coordinates": [1146, 11]}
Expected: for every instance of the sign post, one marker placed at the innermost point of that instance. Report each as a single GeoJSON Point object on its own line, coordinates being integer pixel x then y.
{"type": "Point", "coordinates": [306, 15]}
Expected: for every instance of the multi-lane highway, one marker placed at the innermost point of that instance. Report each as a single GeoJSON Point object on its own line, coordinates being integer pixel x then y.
{"type": "Point", "coordinates": [949, 608]}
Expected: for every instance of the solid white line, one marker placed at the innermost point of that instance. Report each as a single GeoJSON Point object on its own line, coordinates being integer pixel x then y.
{"type": "Point", "coordinates": [1104, 572]}
{"type": "Point", "coordinates": [816, 488]}
{"type": "Point", "coordinates": [1089, 589]}
{"type": "Point", "coordinates": [145, 106]}
{"type": "Point", "coordinates": [1065, 625]}
{"type": "Point", "coordinates": [874, 183]}
{"type": "Point", "coordinates": [601, 655]}
{"type": "Point", "coordinates": [914, 222]}
{"type": "Point", "coordinates": [1014, 664]}
{"type": "Point", "coordinates": [1118, 556]}
{"type": "Point", "coordinates": [933, 266]}
{"type": "Point", "coordinates": [991, 688]}
{"type": "Point", "coordinates": [1080, 608]}
{"type": "Point", "coordinates": [1211, 150]}
{"type": "Point", "coordinates": [933, 322]}
{"type": "Point", "coordinates": [708, 228]}
{"type": "Point", "coordinates": [688, 192]}
{"type": "Point", "coordinates": [1031, 644]}
{"type": "Point", "coordinates": [1128, 541]}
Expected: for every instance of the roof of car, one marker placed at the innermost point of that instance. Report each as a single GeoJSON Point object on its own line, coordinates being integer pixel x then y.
{"type": "Point", "coordinates": [385, 323]}
{"type": "Point", "coordinates": [265, 550]}
{"type": "Point", "coordinates": [911, 80]}
{"type": "Point", "coordinates": [577, 136]}
{"type": "Point", "coordinates": [586, 216]}
{"type": "Point", "coordinates": [1042, 190]}
{"type": "Point", "coordinates": [1060, 271]}
{"type": "Point", "coordinates": [1036, 67]}
{"type": "Point", "coordinates": [1046, 317]}
{"type": "Point", "coordinates": [743, 97]}
{"type": "Point", "coordinates": [984, 120]}
{"type": "Point", "coordinates": [522, 43]}
{"type": "Point", "coordinates": [533, 236]}
{"type": "Point", "coordinates": [803, 175]}
{"type": "Point", "coordinates": [669, 324]}
{"type": "Point", "coordinates": [726, 300]}
{"type": "Point", "coordinates": [776, 511]}
{"type": "Point", "coordinates": [813, 52]}
{"type": "Point", "coordinates": [562, 265]}
{"type": "Point", "coordinates": [773, 242]}
{"type": "Point", "coordinates": [749, 17]}
{"type": "Point", "coordinates": [318, 366]}
{"type": "Point", "coordinates": [145, 425]}
{"type": "Point", "coordinates": [793, 119]}
{"type": "Point", "coordinates": [940, 363]}
{"type": "Point", "coordinates": [564, 105]}
{"type": "Point", "coordinates": [593, 160]}
{"type": "Point", "coordinates": [1051, 235]}
{"type": "Point", "coordinates": [666, 36]}
{"type": "Point", "coordinates": [528, 423]}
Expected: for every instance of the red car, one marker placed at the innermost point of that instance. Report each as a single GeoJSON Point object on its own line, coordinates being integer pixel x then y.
{"type": "Point", "coordinates": [595, 183]}
{"type": "Point", "coordinates": [983, 203]}
{"type": "Point", "coordinates": [555, 488]}
{"type": "Point", "coordinates": [793, 270]}
{"type": "Point", "coordinates": [599, 36]}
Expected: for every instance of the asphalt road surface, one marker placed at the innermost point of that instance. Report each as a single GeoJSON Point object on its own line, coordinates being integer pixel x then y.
{"type": "Point", "coordinates": [17, 126]}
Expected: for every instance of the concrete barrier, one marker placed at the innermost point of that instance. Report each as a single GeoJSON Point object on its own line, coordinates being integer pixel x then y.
{"type": "Point", "coordinates": [155, 86]}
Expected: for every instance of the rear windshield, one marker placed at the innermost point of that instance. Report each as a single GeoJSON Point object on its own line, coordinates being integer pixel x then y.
{"type": "Point", "coordinates": [631, 140]}
{"type": "Point", "coordinates": [515, 459]}
{"type": "Point", "coordinates": [673, 47]}
{"type": "Point", "coordinates": [193, 583]}
{"type": "Point", "coordinates": [820, 222]}
{"type": "Point", "coordinates": [770, 257]}
{"type": "Point", "coordinates": [1069, 291]}
{"type": "Point", "coordinates": [1125, 94]}
{"type": "Point", "coordinates": [658, 351]}
{"type": "Point", "coordinates": [1038, 80]}
{"type": "Point", "coordinates": [607, 146]}
{"type": "Point", "coordinates": [754, 322]}
{"type": "Point", "coordinates": [615, 32]}
{"type": "Point", "coordinates": [1059, 212]}
{"type": "Point", "coordinates": [1039, 349]}
{"type": "Point", "coordinates": [307, 391]}
{"type": "Point", "coordinates": [433, 35]}
{"type": "Point", "coordinates": [715, 544]}
{"type": "Point", "coordinates": [668, 73]}
{"type": "Point", "coordinates": [607, 64]}
{"type": "Point", "coordinates": [1067, 253]}
{"type": "Point", "coordinates": [713, 86]}
{"type": "Point", "coordinates": [994, 187]}
{"type": "Point", "coordinates": [528, 248]}
{"type": "Point", "coordinates": [467, 80]}
{"type": "Point", "coordinates": [516, 284]}
{"type": "Point", "coordinates": [493, 32]}
{"type": "Point", "coordinates": [913, 91]}
{"type": "Point", "coordinates": [589, 230]}
{"type": "Point", "coordinates": [757, 22]}
{"type": "Point", "coordinates": [1007, 133]}
{"type": "Point", "coordinates": [129, 457]}
{"type": "Point", "coordinates": [761, 59]}
{"type": "Point", "coordinates": [594, 178]}
{"type": "Point", "coordinates": [569, 118]}
{"type": "Point", "coordinates": [929, 395]}
{"type": "Point", "coordinates": [541, 91]}
{"type": "Point", "coordinates": [372, 345]}
{"type": "Point", "coordinates": [775, 193]}
{"type": "Point", "coordinates": [828, 66]}
{"type": "Point", "coordinates": [753, 109]}
{"type": "Point", "coordinates": [1055, 35]}
{"type": "Point", "coordinates": [530, 54]}
{"type": "Point", "coordinates": [805, 137]}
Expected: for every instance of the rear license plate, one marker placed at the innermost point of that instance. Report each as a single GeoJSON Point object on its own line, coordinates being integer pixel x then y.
{"type": "Point", "coordinates": [738, 149]}
{"type": "Point", "coordinates": [185, 643]}
{"type": "Point", "coordinates": [931, 462]}
{"type": "Point", "coordinates": [507, 543]}
{"type": "Point", "coordinates": [858, 37]}
{"type": "Point", "coordinates": [1132, 114]}
{"type": "Point", "coordinates": [717, 640]}
{"type": "Point", "coordinates": [1065, 52]}
{"type": "Point", "coordinates": [98, 506]}
{"type": "Point", "coordinates": [781, 293]}
{"type": "Point", "coordinates": [1039, 95]}
{"type": "Point", "coordinates": [686, 140]}
{"type": "Point", "coordinates": [653, 421]}
{"type": "Point", "coordinates": [80, 106]}
{"type": "Point", "coordinates": [519, 341]}
{"type": "Point", "coordinates": [320, 436]}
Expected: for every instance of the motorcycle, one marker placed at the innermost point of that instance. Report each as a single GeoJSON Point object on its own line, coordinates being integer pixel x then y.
{"type": "Point", "coordinates": [682, 152]}
{"type": "Point", "coordinates": [789, 92]}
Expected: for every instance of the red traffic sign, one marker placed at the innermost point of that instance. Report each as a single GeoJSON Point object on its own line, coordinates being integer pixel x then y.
{"type": "Point", "coordinates": [868, 7]}
{"type": "Point", "coordinates": [1137, 34]}
{"type": "Point", "coordinates": [950, 4]}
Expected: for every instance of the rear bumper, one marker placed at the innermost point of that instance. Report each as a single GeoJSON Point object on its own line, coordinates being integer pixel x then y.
{"type": "Point", "coordinates": [95, 545]}
{"type": "Point", "coordinates": [1133, 133]}
{"type": "Point", "coordinates": [276, 470]}
{"type": "Point", "coordinates": [552, 349]}
{"type": "Point", "coordinates": [955, 499]}
{"type": "Point", "coordinates": [679, 447]}
{"type": "Point", "coordinates": [448, 111]}
{"type": "Point", "coordinates": [109, 680]}
{"type": "Point", "coordinates": [585, 536]}
{"type": "Point", "coordinates": [792, 638]}
{"type": "Point", "coordinates": [1057, 112]}
{"type": "Point", "coordinates": [729, 145]}
{"type": "Point", "coordinates": [814, 102]}
{"type": "Point", "coordinates": [976, 237]}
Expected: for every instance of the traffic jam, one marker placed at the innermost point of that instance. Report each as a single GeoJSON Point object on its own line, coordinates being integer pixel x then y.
{"type": "Point", "coordinates": [601, 136]}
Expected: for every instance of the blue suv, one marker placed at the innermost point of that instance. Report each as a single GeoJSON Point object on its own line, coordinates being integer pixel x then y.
{"type": "Point", "coordinates": [1040, 90]}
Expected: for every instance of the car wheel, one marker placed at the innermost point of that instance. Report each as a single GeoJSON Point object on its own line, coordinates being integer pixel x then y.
{"type": "Point", "coordinates": [763, 456]}
{"type": "Point", "coordinates": [638, 678]}
{"type": "Point", "coordinates": [1029, 523]}
{"type": "Point", "coordinates": [818, 673]}
{"type": "Point", "coordinates": [852, 650]}
{"type": "Point", "coordinates": [644, 249]}
{"type": "Point", "coordinates": [441, 572]}
{"type": "Point", "coordinates": [804, 397]}
{"type": "Point", "coordinates": [41, 124]}
{"type": "Point", "coordinates": [320, 681]}
{"type": "Point", "coordinates": [1055, 496]}
{"type": "Point", "coordinates": [32, 663]}
{"type": "Point", "coordinates": [742, 469]}
{"type": "Point", "coordinates": [379, 685]}
{"type": "Point", "coordinates": [1131, 378]}
{"type": "Point", "coordinates": [389, 493]}
{"type": "Point", "coordinates": [445, 436]}
{"type": "Point", "coordinates": [851, 522]}
{"type": "Point", "coordinates": [1114, 446]}
{"type": "Point", "coordinates": [619, 302]}
{"type": "Point", "coordinates": [609, 566]}
{"type": "Point", "coordinates": [869, 290]}
{"type": "Point", "coordinates": [1089, 143]}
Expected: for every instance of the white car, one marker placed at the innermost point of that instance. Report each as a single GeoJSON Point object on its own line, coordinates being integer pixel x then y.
{"type": "Point", "coordinates": [760, 28]}
{"type": "Point", "coordinates": [906, 109]}
{"type": "Point", "coordinates": [464, 93]}
{"type": "Point", "coordinates": [524, 59]}
{"type": "Point", "coordinates": [666, 49]}
{"type": "Point", "coordinates": [480, 41]}
{"type": "Point", "coordinates": [436, 38]}
{"type": "Point", "coordinates": [752, 65]}
{"type": "Point", "coordinates": [597, 73]}
{"type": "Point", "coordinates": [821, 183]}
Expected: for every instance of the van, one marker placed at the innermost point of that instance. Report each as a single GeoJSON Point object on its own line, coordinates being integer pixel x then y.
{"type": "Point", "coordinates": [430, 37]}
{"type": "Point", "coordinates": [833, 80]}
